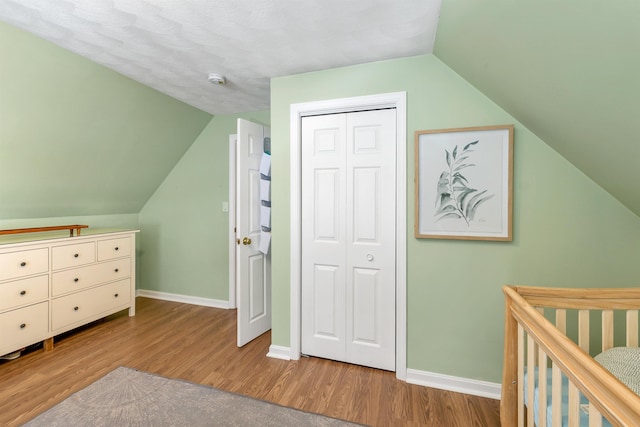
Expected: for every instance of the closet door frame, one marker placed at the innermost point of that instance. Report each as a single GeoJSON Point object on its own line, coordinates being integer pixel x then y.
{"type": "Point", "coordinates": [397, 100]}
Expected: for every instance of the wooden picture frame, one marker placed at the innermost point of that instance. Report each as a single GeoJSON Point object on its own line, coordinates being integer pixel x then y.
{"type": "Point", "coordinates": [464, 183]}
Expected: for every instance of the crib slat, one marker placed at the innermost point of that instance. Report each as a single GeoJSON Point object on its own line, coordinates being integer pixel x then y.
{"type": "Point", "coordinates": [595, 419]}
{"type": "Point", "coordinates": [542, 388]}
{"type": "Point", "coordinates": [574, 406]}
{"type": "Point", "coordinates": [531, 346]}
{"type": "Point", "coordinates": [632, 328]}
{"type": "Point", "coordinates": [556, 396]}
{"type": "Point", "coordinates": [583, 329]}
{"type": "Point", "coordinates": [520, 384]}
{"type": "Point", "coordinates": [556, 376]}
{"type": "Point", "coordinates": [561, 320]}
{"type": "Point", "coordinates": [607, 329]}
{"type": "Point", "coordinates": [535, 354]}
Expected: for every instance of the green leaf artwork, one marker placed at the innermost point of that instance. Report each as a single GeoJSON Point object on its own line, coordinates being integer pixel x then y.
{"type": "Point", "coordinates": [456, 198]}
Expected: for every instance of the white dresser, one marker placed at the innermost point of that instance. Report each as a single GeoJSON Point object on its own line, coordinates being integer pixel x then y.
{"type": "Point", "coordinates": [54, 284]}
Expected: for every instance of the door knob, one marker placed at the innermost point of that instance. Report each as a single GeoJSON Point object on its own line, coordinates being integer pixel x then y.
{"type": "Point", "coordinates": [246, 241]}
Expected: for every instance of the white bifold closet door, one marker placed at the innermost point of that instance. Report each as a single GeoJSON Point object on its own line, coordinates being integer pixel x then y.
{"type": "Point", "coordinates": [348, 237]}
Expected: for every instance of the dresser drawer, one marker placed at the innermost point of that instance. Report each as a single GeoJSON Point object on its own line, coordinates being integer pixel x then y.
{"type": "Point", "coordinates": [76, 309]}
{"type": "Point", "coordinates": [80, 278]}
{"type": "Point", "coordinates": [73, 255]}
{"type": "Point", "coordinates": [23, 292]}
{"type": "Point", "coordinates": [22, 327]}
{"type": "Point", "coordinates": [23, 263]}
{"type": "Point", "coordinates": [115, 248]}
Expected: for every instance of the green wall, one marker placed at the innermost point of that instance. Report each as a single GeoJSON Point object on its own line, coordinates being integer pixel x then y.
{"type": "Point", "coordinates": [567, 230]}
{"type": "Point", "coordinates": [79, 139]}
{"type": "Point", "coordinates": [184, 249]}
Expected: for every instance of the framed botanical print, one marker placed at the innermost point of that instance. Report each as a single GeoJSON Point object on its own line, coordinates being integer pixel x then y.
{"type": "Point", "coordinates": [464, 183]}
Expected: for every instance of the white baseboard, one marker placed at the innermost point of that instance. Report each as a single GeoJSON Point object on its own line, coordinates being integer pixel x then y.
{"type": "Point", "coordinates": [279, 352]}
{"type": "Point", "coordinates": [457, 384]}
{"type": "Point", "coordinates": [426, 379]}
{"type": "Point", "coordinates": [207, 302]}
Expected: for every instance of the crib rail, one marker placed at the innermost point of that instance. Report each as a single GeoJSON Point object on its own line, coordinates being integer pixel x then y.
{"type": "Point", "coordinates": [606, 395]}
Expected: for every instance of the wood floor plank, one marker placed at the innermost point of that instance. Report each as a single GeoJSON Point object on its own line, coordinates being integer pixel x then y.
{"type": "Point", "coordinates": [198, 344]}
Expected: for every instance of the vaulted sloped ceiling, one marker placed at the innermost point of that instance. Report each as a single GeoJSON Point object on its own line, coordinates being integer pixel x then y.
{"type": "Point", "coordinates": [568, 70]}
{"type": "Point", "coordinates": [79, 139]}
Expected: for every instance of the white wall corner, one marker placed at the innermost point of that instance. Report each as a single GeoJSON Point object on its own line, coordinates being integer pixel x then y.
{"type": "Point", "coordinates": [187, 299]}
{"type": "Point", "coordinates": [279, 352]}
{"type": "Point", "coordinates": [456, 384]}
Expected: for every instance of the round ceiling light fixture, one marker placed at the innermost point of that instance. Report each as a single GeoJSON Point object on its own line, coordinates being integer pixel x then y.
{"type": "Point", "coordinates": [217, 79]}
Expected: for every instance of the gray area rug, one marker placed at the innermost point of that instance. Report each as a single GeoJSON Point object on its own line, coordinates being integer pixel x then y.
{"type": "Point", "coordinates": [127, 397]}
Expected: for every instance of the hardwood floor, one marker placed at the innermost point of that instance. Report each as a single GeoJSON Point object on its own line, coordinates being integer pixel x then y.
{"type": "Point", "coordinates": [198, 344]}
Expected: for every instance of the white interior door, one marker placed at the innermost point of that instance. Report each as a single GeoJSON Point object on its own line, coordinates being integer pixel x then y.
{"type": "Point", "coordinates": [253, 268]}
{"type": "Point", "coordinates": [348, 237]}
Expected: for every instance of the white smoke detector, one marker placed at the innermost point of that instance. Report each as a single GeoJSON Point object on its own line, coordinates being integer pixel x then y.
{"type": "Point", "coordinates": [217, 79]}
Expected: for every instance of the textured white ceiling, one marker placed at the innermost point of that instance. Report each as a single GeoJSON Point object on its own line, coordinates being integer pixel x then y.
{"type": "Point", "coordinates": [172, 45]}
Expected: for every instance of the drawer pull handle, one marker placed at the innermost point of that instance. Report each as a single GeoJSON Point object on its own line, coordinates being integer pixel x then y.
{"type": "Point", "coordinates": [76, 279]}
{"type": "Point", "coordinates": [116, 270]}
{"type": "Point", "coordinates": [76, 308]}
{"type": "Point", "coordinates": [23, 263]}
{"type": "Point", "coordinates": [23, 292]}
{"type": "Point", "coordinates": [116, 295]}
{"type": "Point", "coordinates": [76, 255]}
{"type": "Point", "coordinates": [116, 248]}
{"type": "Point", "coordinates": [23, 325]}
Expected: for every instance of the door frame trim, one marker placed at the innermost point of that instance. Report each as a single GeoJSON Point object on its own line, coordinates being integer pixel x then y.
{"type": "Point", "coordinates": [232, 220]}
{"type": "Point", "coordinates": [397, 100]}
